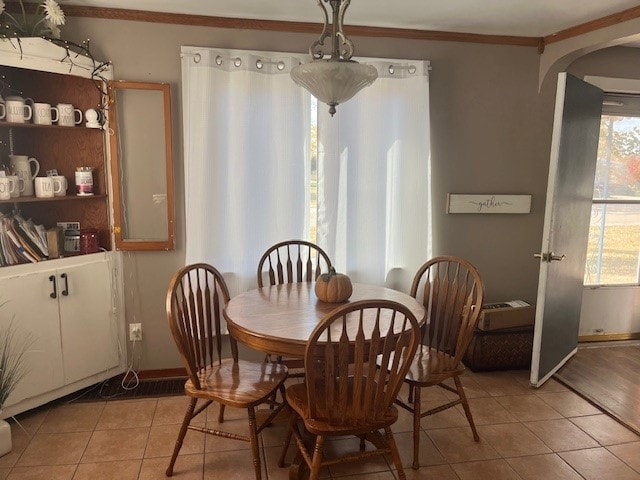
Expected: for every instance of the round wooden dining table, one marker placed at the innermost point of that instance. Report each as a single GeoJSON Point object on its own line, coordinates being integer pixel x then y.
{"type": "Point", "coordinates": [279, 319]}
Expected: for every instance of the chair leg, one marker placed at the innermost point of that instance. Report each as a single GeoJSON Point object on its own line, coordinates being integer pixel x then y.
{"type": "Point", "coordinates": [287, 441]}
{"type": "Point", "coordinates": [316, 462]}
{"type": "Point", "coordinates": [395, 455]}
{"type": "Point", "coordinates": [253, 439]}
{"type": "Point", "coordinates": [183, 431]}
{"type": "Point", "coordinates": [410, 397]}
{"type": "Point", "coordinates": [416, 428]}
{"type": "Point", "coordinates": [221, 413]}
{"type": "Point", "coordinates": [465, 405]}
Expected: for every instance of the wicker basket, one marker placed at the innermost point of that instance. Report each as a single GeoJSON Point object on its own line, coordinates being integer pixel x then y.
{"type": "Point", "coordinates": [508, 349]}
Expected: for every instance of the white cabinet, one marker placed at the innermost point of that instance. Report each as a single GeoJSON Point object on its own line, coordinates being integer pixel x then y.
{"type": "Point", "coordinates": [72, 313]}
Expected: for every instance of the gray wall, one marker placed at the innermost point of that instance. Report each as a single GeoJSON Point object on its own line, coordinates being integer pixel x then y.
{"type": "Point", "coordinates": [490, 134]}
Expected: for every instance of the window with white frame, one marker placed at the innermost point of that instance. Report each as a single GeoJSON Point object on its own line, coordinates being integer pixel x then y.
{"type": "Point", "coordinates": [613, 251]}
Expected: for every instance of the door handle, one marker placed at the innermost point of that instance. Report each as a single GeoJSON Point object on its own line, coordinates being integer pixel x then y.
{"type": "Point", "coordinates": [54, 293]}
{"type": "Point", "coordinates": [549, 257]}
{"type": "Point", "coordinates": [65, 292]}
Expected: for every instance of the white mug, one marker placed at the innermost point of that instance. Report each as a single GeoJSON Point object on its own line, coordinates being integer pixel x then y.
{"type": "Point", "coordinates": [6, 188]}
{"type": "Point", "coordinates": [19, 183]}
{"type": "Point", "coordinates": [21, 164]}
{"type": "Point", "coordinates": [17, 111]}
{"type": "Point", "coordinates": [45, 187]}
{"type": "Point", "coordinates": [68, 116]}
{"type": "Point", "coordinates": [59, 185]}
{"type": "Point", "coordinates": [44, 114]}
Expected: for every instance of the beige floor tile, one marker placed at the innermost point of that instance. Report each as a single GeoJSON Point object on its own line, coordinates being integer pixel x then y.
{"type": "Point", "coordinates": [561, 435]}
{"type": "Point", "coordinates": [235, 465]}
{"type": "Point", "coordinates": [32, 419]}
{"type": "Point", "coordinates": [404, 422]}
{"type": "Point", "coordinates": [171, 411]}
{"type": "Point", "coordinates": [543, 467]}
{"type": "Point", "coordinates": [4, 472]}
{"type": "Point", "coordinates": [568, 404]}
{"type": "Point", "coordinates": [274, 435]}
{"type": "Point", "coordinates": [629, 453]}
{"type": "Point", "coordinates": [229, 413]}
{"type": "Point", "coordinates": [73, 417]}
{"type": "Point", "coordinates": [487, 411]}
{"type": "Point", "coordinates": [501, 383]}
{"type": "Point", "coordinates": [127, 414]}
{"type": "Point", "coordinates": [429, 454]}
{"type": "Point", "coordinates": [187, 467]}
{"type": "Point", "coordinates": [605, 430]}
{"type": "Point", "coordinates": [451, 417]}
{"type": "Point", "coordinates": [55, 449]}
{"type": "Point", "coordinates": [373, 476]}
{"type": "Point", "coordinates": [58, 472]}
{"type": "Point", "coordinates": [457, 445]}
{"type": "Point", "coordinates": [527, 408]}
{"type": "Point", "coordinates": [439, 472]}
{"type": "Point", "coordinates": [551, 386]}
{"type": "Point", "coordinates": [162, 440]}
{"type": "Point", "coordinates": [485, 470]}
{"type": "Point", "coordinates": [512, 440]}
{"type": "Point", "coordinates": [112, 445]}
{"type": "Point", "coordinates": [126, 470]}
{"type": "Point", "coordinates": [599, 464]}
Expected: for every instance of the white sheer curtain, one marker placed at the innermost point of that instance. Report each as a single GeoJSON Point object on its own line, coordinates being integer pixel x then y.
{"type": "Point", "coordinates": [374, 217]}
{"type": "Point", "coordinates": [246, 158]}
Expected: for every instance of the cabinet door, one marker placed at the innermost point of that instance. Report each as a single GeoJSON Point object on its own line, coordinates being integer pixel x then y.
{"type": "Point", "coordinates": [29, 305]}
{"type": "Point", "coordinates": [87, 320]}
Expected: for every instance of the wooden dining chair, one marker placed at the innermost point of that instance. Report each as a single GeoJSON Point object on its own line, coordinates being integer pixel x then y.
{"type": "Point", "coordinates": [278, 263]}
{"type": "Point", "coordinates": [197, 294]}
{"type": "Point", "coordinates": [292, 261]}
{"type": "Point", "coordinates": [344, 394]}
{"type": "Point", "coordinates": [451, 291]}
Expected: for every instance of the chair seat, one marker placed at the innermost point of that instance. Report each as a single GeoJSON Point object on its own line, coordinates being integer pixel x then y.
{"type": "Point", "coordinates": [238, 384]}
{"type": "Point", "coordinates": [431, 367]}
{"type": "Point", "coordinates": [297, 398]}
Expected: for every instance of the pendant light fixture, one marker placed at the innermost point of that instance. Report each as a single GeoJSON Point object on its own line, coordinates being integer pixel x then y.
{"type": "Point", "coordinates": [338, 78]}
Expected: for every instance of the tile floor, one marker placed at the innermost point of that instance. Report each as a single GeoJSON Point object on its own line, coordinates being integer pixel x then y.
{"type": "Point", "coordinates": [545, 434]}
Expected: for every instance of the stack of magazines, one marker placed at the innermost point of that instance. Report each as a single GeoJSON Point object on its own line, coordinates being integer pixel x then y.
{"type": "Point", "coordinates": [21, 241]}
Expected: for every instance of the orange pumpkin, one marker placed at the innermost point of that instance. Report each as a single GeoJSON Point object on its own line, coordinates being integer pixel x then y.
{"type": "Point", "coordinates": [333, 287]}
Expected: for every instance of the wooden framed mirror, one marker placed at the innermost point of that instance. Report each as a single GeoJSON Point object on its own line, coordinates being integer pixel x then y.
{"type": "Point", "coordinates": [142, 165]}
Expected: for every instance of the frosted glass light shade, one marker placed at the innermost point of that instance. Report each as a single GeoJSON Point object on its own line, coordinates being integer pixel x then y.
{"type": "Point", "coordinates": [334, 81]}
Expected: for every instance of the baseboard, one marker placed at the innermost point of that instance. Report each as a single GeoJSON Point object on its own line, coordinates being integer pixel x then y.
{"type": "Point", "coordinates": [609, 337]}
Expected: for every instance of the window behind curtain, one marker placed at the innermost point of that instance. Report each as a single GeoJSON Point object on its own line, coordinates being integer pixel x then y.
{"type": "Point", "coordinates": [265, 163]}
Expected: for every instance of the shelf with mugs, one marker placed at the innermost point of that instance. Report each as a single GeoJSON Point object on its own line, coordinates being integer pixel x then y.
{"type": "Point", "coordinates": [63, 198]}
{"type": "Point", "coordinates": [66, 128]}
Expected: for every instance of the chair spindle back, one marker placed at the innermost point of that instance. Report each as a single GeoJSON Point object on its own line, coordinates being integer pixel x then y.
{"type": "Point", "coordinates": [343, 382]}
{"type": "Point", "coordinates": [195, 299]}
{"type": "Point", "coordinates": [293, 261]}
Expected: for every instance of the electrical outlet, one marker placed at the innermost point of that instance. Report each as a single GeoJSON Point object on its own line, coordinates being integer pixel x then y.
{"type": "Point", "coordinates": [135, 332]}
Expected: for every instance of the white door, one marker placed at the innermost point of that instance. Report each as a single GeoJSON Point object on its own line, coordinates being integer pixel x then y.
{"type": "Point", "coordinates": [574, 148]}
{"type": "Point", "coordinates": [31, 306]}
{"type": "Point", "coordinates": [88, 326]}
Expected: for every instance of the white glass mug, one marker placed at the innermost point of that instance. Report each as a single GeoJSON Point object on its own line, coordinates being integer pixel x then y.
{"type": "Point", "coordinates": [46, 187]}
{"type": "Point", "coordinates": [62, 181]}
{"type": "Point", "coordinates": [6, 188]}
{"type": "Point", "coordinates": [68, 116]}
{"type": "Point", "coordinates": [44, 114]}
{"type": "Point", "coordinates": [19, 185]}
{"type": "Point", "coordinates": [17, 111]}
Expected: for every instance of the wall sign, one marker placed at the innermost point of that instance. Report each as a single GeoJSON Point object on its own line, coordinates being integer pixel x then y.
{"type": "Point", "coordinates": [488, 203]}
